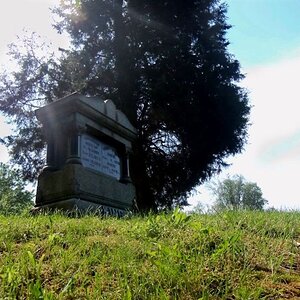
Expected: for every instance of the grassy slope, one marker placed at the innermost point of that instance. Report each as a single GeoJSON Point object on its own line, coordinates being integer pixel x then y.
{"type": "Point", "coordinates": [227, 256]}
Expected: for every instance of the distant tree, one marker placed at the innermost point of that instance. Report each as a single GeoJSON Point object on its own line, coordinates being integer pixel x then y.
{"type": "Point", "coordinates": [236, 193]}
{"type": "Point", "coordinates": [13, 196]}
{"type": "Point", "coordinates": [199, 208]}
{"type": "Point", "coordinates": [165, 64]}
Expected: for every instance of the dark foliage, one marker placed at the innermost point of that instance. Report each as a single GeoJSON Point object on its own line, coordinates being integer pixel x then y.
{"type": "Point", "coordinates": [166, 66]}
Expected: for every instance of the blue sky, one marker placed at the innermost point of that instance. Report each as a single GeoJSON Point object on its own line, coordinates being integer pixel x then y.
{"type": "Point", "coordinates": [263, 31]}
{"type": "Point", "coordinates": [265, 38]}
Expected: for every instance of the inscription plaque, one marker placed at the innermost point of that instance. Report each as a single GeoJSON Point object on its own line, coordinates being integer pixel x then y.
{"type": "Point", "coordinates": [100, 157]}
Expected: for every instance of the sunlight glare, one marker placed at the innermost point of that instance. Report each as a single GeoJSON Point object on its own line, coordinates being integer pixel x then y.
{"type": "Point", "coordinates": [32, 15]}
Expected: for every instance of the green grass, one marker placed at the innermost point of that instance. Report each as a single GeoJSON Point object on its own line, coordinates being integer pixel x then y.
{"type": "Point", "coordinates": [232, 255]}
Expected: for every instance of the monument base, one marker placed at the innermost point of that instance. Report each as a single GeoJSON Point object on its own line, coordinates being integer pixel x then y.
{"type": "Point", "coordinates": [77, 188]}
{"type": "Point", "coordinates": [80, 206]}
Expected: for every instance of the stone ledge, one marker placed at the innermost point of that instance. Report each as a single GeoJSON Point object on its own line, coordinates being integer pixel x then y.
{"type": "Point", "coordinates": [77, 205]}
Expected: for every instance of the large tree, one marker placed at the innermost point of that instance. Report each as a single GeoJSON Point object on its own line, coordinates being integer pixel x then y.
{"type": "Point", "coordinates": [166, 66]}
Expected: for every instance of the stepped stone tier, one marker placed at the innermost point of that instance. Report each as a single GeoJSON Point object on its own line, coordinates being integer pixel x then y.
{"type": "Point", "coordinates": [89, 142]}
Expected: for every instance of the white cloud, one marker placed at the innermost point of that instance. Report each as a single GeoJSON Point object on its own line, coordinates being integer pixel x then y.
{"type": "Point", "coordinates": [275, 95]}
{"type": "Point", "coordinates": [275, 134]}
{"type": "Point", "coordinates": [272, 156]}
{"type": "Point", "coordinates": [32, 15]}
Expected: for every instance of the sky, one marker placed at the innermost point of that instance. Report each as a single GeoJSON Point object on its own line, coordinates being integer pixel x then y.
{"type": "Point", "coordinates": [265, 38]}
{"type": "Point", "coordinates": [15, 17]}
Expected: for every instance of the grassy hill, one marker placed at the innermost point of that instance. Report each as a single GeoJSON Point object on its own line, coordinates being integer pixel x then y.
{"type": "Point", "coordinates": [233, 255]}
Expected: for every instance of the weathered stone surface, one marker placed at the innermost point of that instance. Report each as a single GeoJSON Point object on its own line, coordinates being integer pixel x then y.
{"type": "Point", "coordinates": [89, 141]}
{"type": "Point", "coordinates": [76, 182]}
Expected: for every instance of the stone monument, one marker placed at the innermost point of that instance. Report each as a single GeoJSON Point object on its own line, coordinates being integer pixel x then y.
{"type": "Point", "coordinates": [89, 142]}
